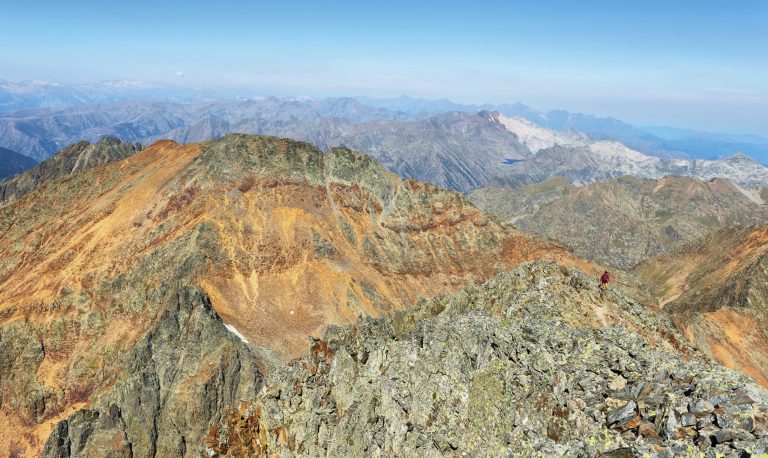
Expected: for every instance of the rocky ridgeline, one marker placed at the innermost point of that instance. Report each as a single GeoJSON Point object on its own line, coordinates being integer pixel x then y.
{"type": "Point", "coordinates": [505, 369]}
{"type": "Point", "coordinates": [122, 287]}
{"type": "Point", "coordinates": [75, 158]}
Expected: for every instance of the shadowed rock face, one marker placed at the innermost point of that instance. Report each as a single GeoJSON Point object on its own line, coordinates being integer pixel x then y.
{"type": "Point", "coordinates": [717, 290]}
{"type": "Point", "coordinates": [76, 158]}
{"type": "Point", "coordinates": [511, 368]}
{"type": "Point", "coordinates": [12, 163]}
{"type": "Point", "coordinates": [623, 221]}
{"type": "Point", "coordinates": [128, 291]}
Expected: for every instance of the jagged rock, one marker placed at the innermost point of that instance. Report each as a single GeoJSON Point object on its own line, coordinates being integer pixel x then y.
{"type": "Point", "coordinates": [687, 419]}
{"type": "Point", "coordinates": [700, 407]}
{"type": "Point", "coordinates": [464, 375]}
{"type": "Point", "coordinates": [164, 283]}
{"type": "Point", "coordinates": [618, 383]}
{"type": "Point", "coordinates": [724, 435]}
{"type": "Point", "coordinates": [647, 429]}
{"type": "Point", "coordinates": [622, 415]}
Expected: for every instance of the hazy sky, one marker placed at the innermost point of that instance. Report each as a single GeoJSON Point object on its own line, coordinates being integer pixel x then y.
{"type": "Point", "coordinates": [700, 64]}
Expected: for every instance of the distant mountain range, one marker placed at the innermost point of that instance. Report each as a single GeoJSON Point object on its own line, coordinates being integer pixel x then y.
{"type": "Point", "coordinates": [25, 95]}
{"type": "Point", "coordinates": [457, 150]}
{"type": "Point", "coordinates": [464, 151]}
{"type": "Point", "coordinates": [40, 133]}
{"type": "Point", "coordinates": [656, 141]}
{"type": "Point", "coordinates": [583, 160]}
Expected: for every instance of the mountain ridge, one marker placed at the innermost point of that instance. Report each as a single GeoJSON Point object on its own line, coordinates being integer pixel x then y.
{"type": "Point", "coordinates": [76, 158]}
{"type": "Point", "coordinates": [625, 220]}
{"type": "Point", "coordinates": [111, 278]}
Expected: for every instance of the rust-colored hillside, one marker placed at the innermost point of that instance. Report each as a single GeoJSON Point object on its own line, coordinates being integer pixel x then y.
{"type": "Point", "coordinates": [717, 290]}
{"type": "Point", "coordinates": [127, 292]}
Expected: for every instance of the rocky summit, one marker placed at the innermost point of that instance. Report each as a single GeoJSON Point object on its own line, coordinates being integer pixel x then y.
{"type": "Point", "coordinates": [142, 299]}
{"type": "Point", "coordinates": [536, 362]}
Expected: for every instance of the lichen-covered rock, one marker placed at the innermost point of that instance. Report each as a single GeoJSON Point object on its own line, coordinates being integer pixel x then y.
{"type": "Point", "coordinates": [506, 369]}
{"type": "Point", "coordinates": [147, 292]}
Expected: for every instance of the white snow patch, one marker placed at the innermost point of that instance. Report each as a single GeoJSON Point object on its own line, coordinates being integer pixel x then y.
{"type": "Point", "coordinates": [234, 331]}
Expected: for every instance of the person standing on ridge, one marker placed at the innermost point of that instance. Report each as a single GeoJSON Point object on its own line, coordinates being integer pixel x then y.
{"type": "Point", "coordinates": [604, 279]}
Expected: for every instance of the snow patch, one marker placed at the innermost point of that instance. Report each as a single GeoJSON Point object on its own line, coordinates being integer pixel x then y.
{"type": "Point", "coordinates": [234, 331]}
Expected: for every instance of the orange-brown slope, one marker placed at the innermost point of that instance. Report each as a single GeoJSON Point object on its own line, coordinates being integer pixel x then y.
{"type": "Point", "coordinates": [717, 290]}
{"type": "Point", "coordinates": [278, 238]}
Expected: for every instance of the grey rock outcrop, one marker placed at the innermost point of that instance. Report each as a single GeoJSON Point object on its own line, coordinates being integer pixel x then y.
{"type": "Point", "coordinates": [500, 370]}
{"type": "Point", "coordinates": [157, 410]}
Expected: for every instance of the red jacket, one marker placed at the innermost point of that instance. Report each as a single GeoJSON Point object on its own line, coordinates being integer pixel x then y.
{"type": "Point", "coordinates": [605, 278]}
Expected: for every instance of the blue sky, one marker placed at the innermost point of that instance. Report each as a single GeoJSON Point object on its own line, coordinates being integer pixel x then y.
{"type": "Point", "coordinates": [700, 64]}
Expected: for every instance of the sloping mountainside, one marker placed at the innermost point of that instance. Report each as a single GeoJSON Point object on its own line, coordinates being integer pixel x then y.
{"type": "Point", "coordinates": [513, 204]}
{"type": "Point", "coordinates": [456, 150]}
{"type": "Point", "coordinates": [717, 290]}
{"type": "Point", "coordinates": [140, 299]}
{"type": "Point", "coordinates": [76, 158]}
{"type": "Point", "coordinates": [514, 367]}
{"type": "Point", "coordinates": [623, 221]}
{"type": "Point", "coordinates": [12, 163]}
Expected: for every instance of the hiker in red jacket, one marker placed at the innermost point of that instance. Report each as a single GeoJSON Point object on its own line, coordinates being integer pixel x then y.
{"type": "Point", "coordinates": [604, 279]}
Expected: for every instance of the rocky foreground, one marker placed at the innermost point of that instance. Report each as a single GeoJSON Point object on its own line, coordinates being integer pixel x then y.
{"type": "Point", "coordinates": [139, 299]}
{"type": "Point", "coordinates": [143, 301]}
{"type": "Point", "coordinates": [512, 368]}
